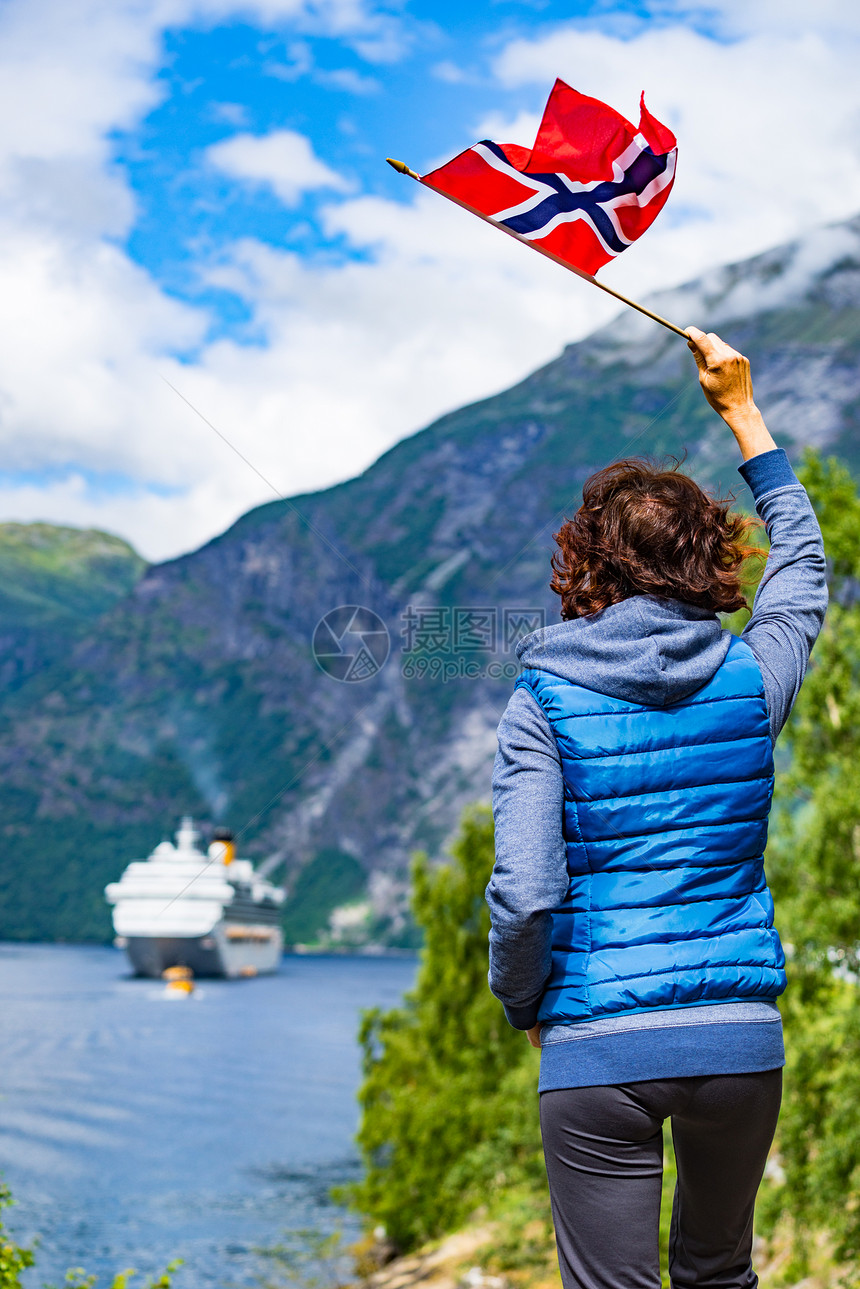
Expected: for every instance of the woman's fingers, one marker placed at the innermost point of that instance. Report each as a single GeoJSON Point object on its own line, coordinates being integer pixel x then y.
{"type": "Point", "coordinates": [724, 374]}
{"type": "Point", "coordinates": [713, 355]}
{"type": "Point", "coordinates": [694, 344]}
{"type": "Point", "coordinates": [710, 347]}
{"type": "Point", "coordinates": [726, 382]}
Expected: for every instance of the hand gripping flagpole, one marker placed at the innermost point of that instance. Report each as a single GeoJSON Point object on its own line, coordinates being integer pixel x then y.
{"type": "Point", "coordinates": [403, 169]}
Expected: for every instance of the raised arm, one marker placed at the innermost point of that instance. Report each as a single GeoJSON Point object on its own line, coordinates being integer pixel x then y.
{"type": "Point", "coordinates": [791, 600]}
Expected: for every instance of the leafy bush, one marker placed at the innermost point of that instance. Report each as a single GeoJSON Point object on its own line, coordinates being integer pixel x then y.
{"type": "Point", "coordinates": [13, 1257]}
{"type": "Point", "coordinates": [814, 867]}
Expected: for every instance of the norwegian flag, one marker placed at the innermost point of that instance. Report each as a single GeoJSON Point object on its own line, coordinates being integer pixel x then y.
{"type": "Point", "coordinates": [588, 188]}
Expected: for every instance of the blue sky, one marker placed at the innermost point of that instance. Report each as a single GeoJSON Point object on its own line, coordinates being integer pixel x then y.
{"type": "Point", "coordinates": [193, 198]}
{"type": "Point", "coordinates": [418, 99]}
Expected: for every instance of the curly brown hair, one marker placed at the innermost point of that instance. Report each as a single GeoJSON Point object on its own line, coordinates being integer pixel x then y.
{"type": "Point", "coordinates": [644, 528]}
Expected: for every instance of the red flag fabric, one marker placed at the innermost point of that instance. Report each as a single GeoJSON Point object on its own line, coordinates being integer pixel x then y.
{"type": "Point", "coordinates": [591, 185]}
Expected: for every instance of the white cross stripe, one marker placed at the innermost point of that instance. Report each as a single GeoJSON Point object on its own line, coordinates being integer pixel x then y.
{"type": "Point", "coordinates": [569, 217]}
{"type": "Point", "coordinates": [542, 191]}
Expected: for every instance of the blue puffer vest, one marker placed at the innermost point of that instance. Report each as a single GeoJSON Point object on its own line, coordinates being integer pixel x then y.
{"type": "Point", "coordinates": [665, 824]}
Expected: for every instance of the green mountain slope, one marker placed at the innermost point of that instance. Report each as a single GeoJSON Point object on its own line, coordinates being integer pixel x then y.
{"type": "Point", "coordinates": [199, 692]}
{"type": "Point", "coordinates": [55, 582]}
{"type": "Point", "coordinates": [49, 573]}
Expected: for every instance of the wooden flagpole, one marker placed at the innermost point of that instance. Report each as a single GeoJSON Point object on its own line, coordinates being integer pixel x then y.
{"type": "Point", "coordinates": [403, 169]}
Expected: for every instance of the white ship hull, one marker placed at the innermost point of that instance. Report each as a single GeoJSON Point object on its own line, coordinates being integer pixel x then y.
{"type": "Point", "coordinates": [255, 952]}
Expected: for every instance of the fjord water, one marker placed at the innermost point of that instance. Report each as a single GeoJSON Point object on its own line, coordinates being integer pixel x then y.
{"type": "Point", "coordinates": [135, 1128]}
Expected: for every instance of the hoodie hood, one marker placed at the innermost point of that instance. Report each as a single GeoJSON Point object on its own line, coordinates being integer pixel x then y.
{"type": "Point", "coordinates": [642, 650]}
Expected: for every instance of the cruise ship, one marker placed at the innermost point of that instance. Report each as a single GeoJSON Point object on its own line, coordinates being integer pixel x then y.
{"type": "Point", "coordinates": [210, 912]}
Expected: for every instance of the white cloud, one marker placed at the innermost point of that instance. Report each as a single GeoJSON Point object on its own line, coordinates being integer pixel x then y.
{"type": "Point", "coordinates": [300, 62]}
{"type": "Point", "coordinates": [348, 81]}
{"type": "Point", "coordinates": [450, 72]}
{"type": "Point", "coordinates": [520, 129]}
{"type": "Point", "coordinates": [140, 515]}
{"type": "Point", "coordinates": [831, 18]}
{"type": "Point", "coordinates": [376, 35]}
{"type": "Point", "coordinates": [235, 114]}
{"type": "Point", "coordinates": [282, 160]}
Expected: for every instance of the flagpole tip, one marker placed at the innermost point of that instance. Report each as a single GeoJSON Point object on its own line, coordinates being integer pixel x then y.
{"type": "Point", "coordinates": [402, 168]}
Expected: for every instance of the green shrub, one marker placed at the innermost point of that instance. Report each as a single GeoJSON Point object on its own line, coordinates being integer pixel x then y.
{"type": "Point", "coordinates": [814, 869]}
{"type": "Point", "coordinates": [13, 1257]}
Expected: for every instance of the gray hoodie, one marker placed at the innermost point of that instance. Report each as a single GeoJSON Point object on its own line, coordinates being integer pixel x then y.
{"type": "Point", "coordinates": [654, 652]}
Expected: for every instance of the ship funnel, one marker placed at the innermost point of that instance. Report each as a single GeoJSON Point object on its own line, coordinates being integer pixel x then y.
{"type": "Point", "coordinates": [222, 846]}
{"type": "Point", "coordinates": [187, 834]}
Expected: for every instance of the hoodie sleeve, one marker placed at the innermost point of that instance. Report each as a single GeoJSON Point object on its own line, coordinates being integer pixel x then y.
{"type": "Point", "coordinates": [530, 873]}
{"type": "Point", "coordinates": [791, 600]}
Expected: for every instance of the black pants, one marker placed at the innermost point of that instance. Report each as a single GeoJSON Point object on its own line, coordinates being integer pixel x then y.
{"type": "Point", "coordinates": [604, 1159]}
